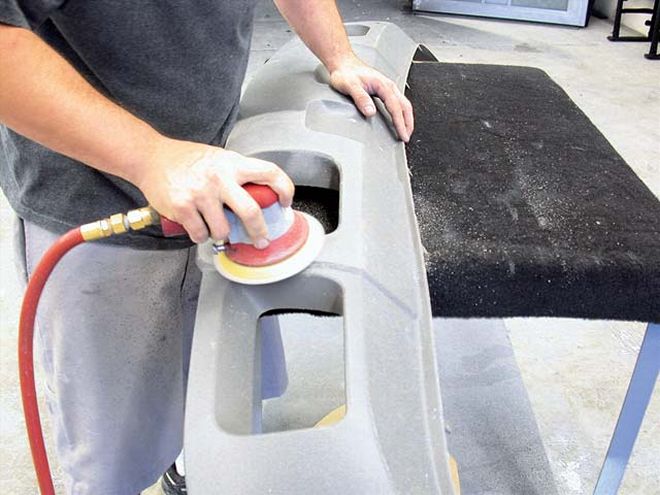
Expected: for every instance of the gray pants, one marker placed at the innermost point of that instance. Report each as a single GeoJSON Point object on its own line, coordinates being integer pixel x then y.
{"type": "Point", "coordinates": [114, 334]}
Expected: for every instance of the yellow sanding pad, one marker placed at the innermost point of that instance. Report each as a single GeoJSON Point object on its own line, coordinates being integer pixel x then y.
{"type": "Point", "coordinates": [294, 264]}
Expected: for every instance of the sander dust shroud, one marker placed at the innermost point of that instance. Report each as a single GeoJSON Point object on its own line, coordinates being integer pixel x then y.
{"type": "Point", "coordinates": [370, 270]}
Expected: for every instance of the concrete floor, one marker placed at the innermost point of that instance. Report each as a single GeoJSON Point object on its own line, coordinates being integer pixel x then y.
{"type": "Point", "coordinates": [575, 372]}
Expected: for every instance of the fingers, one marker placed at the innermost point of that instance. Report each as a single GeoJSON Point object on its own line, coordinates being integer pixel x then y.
{"type": "Point", "coordinates": [408, 115]}
{"type": "Point", "coordinates": [199, 209]}
{"type": "Point", "coordinates": [365, 81]}
{"type": "Point", "coordinates": [390, 94]}
{"type": "Point", "coordinates": [362, 100]}
{"type": "Point", "coordinates": [250, 214]}
{"type": "Point", "coordinates": [186, 214]}
{"type": "Point", "coordinates": [269, 174]}
{"type": "Point", "coordinates": [214, 216]}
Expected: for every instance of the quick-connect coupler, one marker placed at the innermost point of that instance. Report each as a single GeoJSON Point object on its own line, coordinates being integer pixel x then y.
{"type": "Point", "coordinates": [120, 223]}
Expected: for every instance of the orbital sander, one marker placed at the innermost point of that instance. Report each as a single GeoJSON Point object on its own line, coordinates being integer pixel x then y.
{"type": "Point", "coordinates": [296, 239]}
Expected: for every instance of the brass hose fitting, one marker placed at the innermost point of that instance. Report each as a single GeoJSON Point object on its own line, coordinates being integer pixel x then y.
{"type": "Point", "coordinates": [120, 223]}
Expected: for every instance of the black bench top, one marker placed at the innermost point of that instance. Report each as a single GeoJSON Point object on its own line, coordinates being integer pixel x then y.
{"type": "Point", "coordinates": [524, 207]}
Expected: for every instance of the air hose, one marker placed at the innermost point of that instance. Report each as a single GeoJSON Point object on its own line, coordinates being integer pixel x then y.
{"type": "Point", "coordinates": [114, 225]}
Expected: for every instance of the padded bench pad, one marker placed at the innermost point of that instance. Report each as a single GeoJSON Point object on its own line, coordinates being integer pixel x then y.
{"type": "Point", "coordinates": [524, 207]}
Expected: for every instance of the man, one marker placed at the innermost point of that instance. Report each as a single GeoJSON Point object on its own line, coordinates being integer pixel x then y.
{"type": "Point", "coordinates": [111, 105]}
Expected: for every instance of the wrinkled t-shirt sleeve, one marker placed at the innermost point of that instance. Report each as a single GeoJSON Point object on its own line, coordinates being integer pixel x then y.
{"type": "Point", "coordinates": [27, 13]}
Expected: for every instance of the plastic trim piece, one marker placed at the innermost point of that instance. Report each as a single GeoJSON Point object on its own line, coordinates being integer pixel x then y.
{"type": "Point", "coordinates": [392, 439]}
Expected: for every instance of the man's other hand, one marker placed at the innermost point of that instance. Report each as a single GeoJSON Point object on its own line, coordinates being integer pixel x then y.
{"type": "Point", "coordinates": [189, 183]}
{"type": "Point", "coordinates": [356, 79]}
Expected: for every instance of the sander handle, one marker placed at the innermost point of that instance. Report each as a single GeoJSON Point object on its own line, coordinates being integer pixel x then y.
{"type": "Point", "coordinates": [263, 195]}
{"type": "Point", "coordinates": [171, 228]}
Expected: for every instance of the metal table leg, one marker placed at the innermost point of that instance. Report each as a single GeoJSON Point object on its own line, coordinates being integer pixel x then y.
{"type": "Point", "coordinates": [632, 413]}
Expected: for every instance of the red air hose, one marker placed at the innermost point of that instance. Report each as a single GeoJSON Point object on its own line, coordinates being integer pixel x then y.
{"type": "Point", "coordinates": [114, 225]}
{"type": "Point", "coordinates": [25, 355]}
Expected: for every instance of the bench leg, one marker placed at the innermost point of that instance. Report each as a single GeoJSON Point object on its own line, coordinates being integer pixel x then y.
{"type": "Point", "coordinates": [630, 419]}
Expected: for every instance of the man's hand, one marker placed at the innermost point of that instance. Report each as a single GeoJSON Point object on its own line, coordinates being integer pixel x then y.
{"type": "Point", "coordinates": [356, 79]}
{"type": "Point", "coordinates": [319, 25]}
{"type": "Point", "coordinates": [189, 182]}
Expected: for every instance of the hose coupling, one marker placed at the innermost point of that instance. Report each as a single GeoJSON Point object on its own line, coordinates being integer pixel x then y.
{"type": "Point", "coordinates": [120, 223]}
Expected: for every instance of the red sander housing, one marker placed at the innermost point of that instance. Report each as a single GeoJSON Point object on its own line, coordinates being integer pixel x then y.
{"type": "Point", "coordinates": [295, 238]}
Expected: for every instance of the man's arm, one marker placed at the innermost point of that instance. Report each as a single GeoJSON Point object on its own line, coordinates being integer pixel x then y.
{"type": "Point", "coordinates": [45, 99]}
{"type": "Point", "coordinates": [319, 25]}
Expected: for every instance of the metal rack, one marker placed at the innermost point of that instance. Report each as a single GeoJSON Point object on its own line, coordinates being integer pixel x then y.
{"type": "Point", "coordinates": [654, 27]}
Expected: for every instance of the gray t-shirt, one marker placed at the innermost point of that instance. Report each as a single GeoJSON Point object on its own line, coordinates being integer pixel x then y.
{"type": "Point", "coordinates": [177, 65]}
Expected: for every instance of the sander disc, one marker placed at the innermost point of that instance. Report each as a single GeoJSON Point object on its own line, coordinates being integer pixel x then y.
{"type": "Point", "coordinates": [280, 270]}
